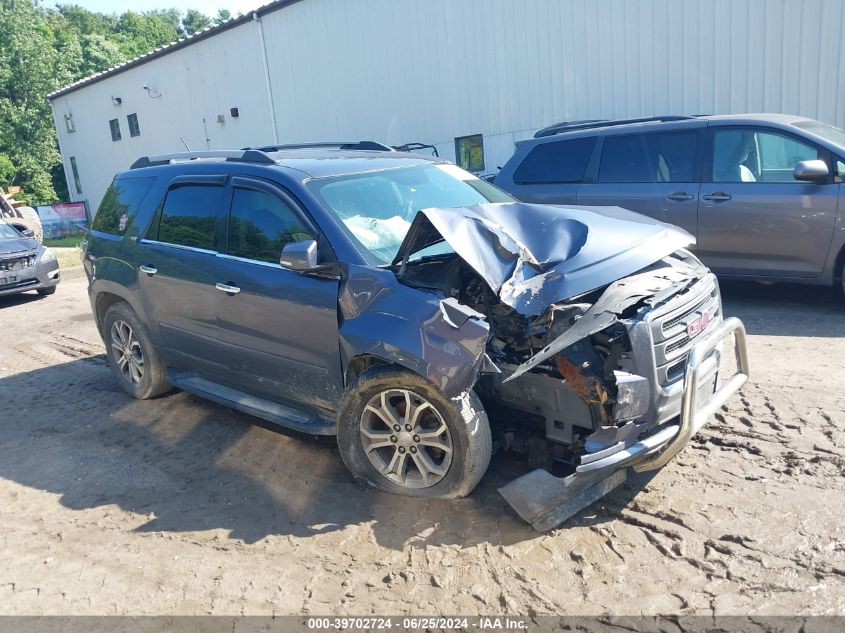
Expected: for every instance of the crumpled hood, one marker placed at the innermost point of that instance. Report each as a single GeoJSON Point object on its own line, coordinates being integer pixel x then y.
{"type": "Point", "coordinates": [534, 255]}
{"type": "Point", "coordinates": [17, 245]}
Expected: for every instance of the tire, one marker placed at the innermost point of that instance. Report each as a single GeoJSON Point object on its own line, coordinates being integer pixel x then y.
{"type": "Point", "coordinates": [47, 291]}
{"type": "Point", "coordinates": [30, 219]}
{"type": "Point", "coordinates": [377, 403]}
{"type": "Point", "coordinates": [141, 381]}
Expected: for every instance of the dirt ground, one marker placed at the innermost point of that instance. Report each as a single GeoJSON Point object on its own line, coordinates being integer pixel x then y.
{"type": "Point", "coordinates": [179, 506]}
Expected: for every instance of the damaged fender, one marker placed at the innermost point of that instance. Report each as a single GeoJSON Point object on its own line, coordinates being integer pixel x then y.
{"type": "Point", "coordinates": [434, 337]}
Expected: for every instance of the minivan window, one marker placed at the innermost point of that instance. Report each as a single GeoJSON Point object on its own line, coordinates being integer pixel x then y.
{"type": "Point", "coordinates": [261, 224]}
{"type": "Point", "coordinates": [747, 155]}
{"type": "Point", "coordinates": [656, 157]}
{"type": "Point", "coordinates": [120, 204]}
{"type": "Point", "coordinates": [555, 162]}
{"type": "Point", "coordinates": [190, 215]}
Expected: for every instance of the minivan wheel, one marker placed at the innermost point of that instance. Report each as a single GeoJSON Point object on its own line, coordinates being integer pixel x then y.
{"type": "Point", "coordinates": [132, 357]}
{"type": "Point", "coordinates": [399, 433]}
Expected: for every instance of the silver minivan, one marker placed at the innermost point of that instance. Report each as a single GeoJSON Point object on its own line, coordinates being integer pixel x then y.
{"type": "Point", "coordinates": [761, 193]}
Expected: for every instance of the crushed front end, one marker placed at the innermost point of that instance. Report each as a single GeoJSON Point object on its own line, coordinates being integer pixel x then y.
{"type": "Point", "coordinates": [605, 339]}
{"type": "Point", "coordinates": [628, 395]}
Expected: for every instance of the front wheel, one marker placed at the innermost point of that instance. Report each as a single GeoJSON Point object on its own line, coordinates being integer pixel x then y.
{"type": "Point", "coordinates": [399, 433]}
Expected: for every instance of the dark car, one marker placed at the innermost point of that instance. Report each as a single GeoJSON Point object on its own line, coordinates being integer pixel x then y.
{"type": "Point", "coordinates": [396, 300]}
{"type": "Point", "coordinates": [762, 193]}
{"type": "Point", "coordinates": [24, 263]}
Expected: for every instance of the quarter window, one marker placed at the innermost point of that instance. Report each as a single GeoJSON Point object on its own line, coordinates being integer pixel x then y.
{"type": "Point", "coordinates": [558, 161]}
{"type": "Point", "coordinates": [657, 157]}
{"type": "Point", "coordinates": [120, 205]}
{"type": "Point", "coordinates": [134, 128]}
{"type": "Point", "coordinates": [190, 216]}
{"type": "Point", "coordinates": [114, 125]}
{"type": "Point", "coordinates": [469, 151]}
{"type": "Point", "coordinates": [261, 224]}
{"type": "Point", "coordinates": [745, 155]}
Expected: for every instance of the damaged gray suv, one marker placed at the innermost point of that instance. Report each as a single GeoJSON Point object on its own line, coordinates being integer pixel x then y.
{"type": "Point", "coordinates": [419, 313]}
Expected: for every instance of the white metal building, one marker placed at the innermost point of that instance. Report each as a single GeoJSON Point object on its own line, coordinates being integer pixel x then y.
{"type": "Point", "coordinates": [433, 71]}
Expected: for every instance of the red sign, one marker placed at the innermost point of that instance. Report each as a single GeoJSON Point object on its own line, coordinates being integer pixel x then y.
{"type": "Point", "coordinates": [70, 210]}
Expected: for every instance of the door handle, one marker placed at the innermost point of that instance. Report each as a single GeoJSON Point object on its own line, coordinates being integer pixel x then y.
{"type": "Point", "coordinates": [680, 196]}
{"type": "Point", "coordinates": [149, 270]}
{"type": "Point", "coordinates": [228, 289]}
{"type": "Point", "coordinates": [717, 196]}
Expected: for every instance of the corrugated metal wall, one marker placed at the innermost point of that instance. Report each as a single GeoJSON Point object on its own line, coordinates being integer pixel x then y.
{"type": "Point", "coordinates": [432, 70]}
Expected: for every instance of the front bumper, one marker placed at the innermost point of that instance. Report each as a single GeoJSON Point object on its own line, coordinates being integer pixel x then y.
{"type": "Point", "coordinates": [546, 501]}
{"type": "Point", "coordinates": [42, 275]}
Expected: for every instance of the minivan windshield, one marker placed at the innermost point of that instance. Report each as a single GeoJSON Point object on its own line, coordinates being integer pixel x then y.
{"type": "Point", "coordinates": [827, 132]}
{"type": "Point", "coordinates": [376, 208]}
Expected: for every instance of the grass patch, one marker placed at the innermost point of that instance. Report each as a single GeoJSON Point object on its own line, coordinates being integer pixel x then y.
{"type": "Point", "coordinates": [69, 241]}
{"type": "Point", "coordinates": [68, 257]}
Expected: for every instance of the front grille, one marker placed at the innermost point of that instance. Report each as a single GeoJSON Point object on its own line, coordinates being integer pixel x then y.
{"type": "Point", "coordinates": [669, 327]}
{"type": "Point", "coordinates": [17, 262]}
{"type": "Point", "coordinates": [671, 323]}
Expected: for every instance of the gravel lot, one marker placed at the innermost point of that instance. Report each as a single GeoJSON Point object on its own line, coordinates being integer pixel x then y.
{"type": "Point", "coordinates": [179, 506]}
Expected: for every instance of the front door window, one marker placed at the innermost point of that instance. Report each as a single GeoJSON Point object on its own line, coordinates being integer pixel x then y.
{"type": "Point", "coordinates": [746, 155]}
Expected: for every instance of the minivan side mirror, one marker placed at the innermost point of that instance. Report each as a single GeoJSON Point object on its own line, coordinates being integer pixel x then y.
{"type": "Point", "coordinates": [299, 256]}
{"type": "Point", "coordinates": [27, 232]}
{"type": "Point", "coordinates": [810, 170]}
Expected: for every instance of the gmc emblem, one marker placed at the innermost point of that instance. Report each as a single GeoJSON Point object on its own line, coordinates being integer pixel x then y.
{"type": "Point", "coordinates": [698, 324]}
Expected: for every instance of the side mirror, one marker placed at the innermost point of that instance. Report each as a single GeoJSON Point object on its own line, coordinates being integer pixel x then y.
{"type": "Point", "coordinates": [28, 233]}
{"type": "Point", "coordinates": [810, 170]}
{"type": "Point", "coordinates": [299, 256]}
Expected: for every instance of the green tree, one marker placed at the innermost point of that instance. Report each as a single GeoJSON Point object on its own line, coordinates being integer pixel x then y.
{"type": "Point", "coordinates": [31, 65]}
{"type": "Point", "coordinates": [139, 33]}
{"type": "Point", "coordinates": [195, 21]}
{"type": "Point", "coordinates": [44, 48]}
{"type": "Point", "coordinates": [222, 16]}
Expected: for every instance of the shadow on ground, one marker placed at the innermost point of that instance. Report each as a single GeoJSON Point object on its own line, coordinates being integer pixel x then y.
{"type": "Point", "coordinates": [183, 464]}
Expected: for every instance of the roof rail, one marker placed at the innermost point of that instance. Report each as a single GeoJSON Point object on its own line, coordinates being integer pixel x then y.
{"type": "Point", "coordinates": [342, 145]}
{"type": "Point", "coordinates": [235, 156]}
{"type": "Point", "coordinates": [409, 147]}
{"type": "Point", "coordinates": [589, 124]}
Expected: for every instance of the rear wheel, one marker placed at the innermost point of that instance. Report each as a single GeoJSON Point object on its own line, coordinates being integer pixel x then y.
{"type": "Point", "coordinates": [399, 433]}
{"type": "Point", "coordinates": [132, 357]}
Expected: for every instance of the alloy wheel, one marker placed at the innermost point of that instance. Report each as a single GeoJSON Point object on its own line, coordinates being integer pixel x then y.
{"type": "Point", "coordinates": [127, 352]}
{"type": "Point", "coordinates": [406, 439]}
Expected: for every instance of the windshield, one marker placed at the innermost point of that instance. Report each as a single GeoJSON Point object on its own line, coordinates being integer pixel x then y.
{"type": "Point", "coordinates": [8, 232]}
{"type": "Point", "coordinates": [377, 208]}
{"type": "Point", "coordinates": [827, 132]}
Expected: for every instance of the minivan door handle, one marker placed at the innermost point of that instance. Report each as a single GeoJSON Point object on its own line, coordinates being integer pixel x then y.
{"type": "Point", "coordinates": [717, 196]}
{"type": "Point", "coordinates": [680, 196]}
{"type": "Point", "coordinates": [227, 288]}
{"type": "Point", "coordinates": [148, 270]}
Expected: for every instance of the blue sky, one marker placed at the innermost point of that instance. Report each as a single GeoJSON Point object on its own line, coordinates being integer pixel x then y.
{"type": "Point", "coordinates": [208, 7]}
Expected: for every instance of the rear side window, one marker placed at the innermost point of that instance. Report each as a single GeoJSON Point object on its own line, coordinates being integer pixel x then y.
{"type": "Point", "coordinates": [120, 205]}
{"type": "Point", "coordinates": [559, 161]}
{"type": "Point", "coordinates": [190, 215]}
{"type": "Point", "coordinates": [261, 224]}
{"type": "Point", "coordinates": [657, 157]}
